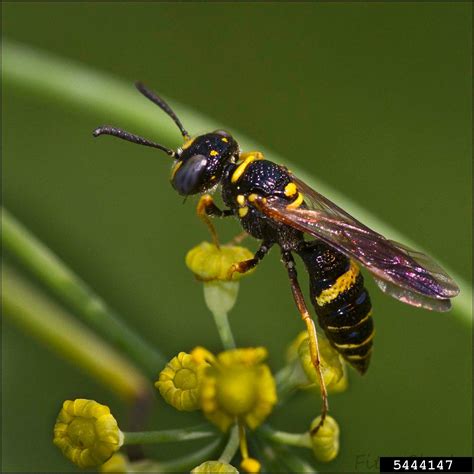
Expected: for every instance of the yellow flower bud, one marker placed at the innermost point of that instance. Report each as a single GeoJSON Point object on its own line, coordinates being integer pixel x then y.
{"type": "Point", "coordinates": [209, 263]}
{"type": "Point", "coordinates": [86, 432]}
{"type": "Point", "coordinates": [211, 467]}
{"type": "Point", "coordinates": [325, 442]}
{"type": "Point", "coordinates": [331, 363]}
{"type": "Point", "coordinates": [343, 383]}
{"type": "Point", "coordinates": [180, 382]}
{"type": "Point", "coordinates": [237, 386]}
{"type": "Point", "coordinates": [250, 465]}
{"type": "Point", "coordinates": [118, 464]}
{"type": "Point", "coordinates": [292, 349]}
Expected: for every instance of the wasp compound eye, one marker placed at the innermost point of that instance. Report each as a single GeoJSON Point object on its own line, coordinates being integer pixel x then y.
{"type": "Point", "coordinates": [189, 177]}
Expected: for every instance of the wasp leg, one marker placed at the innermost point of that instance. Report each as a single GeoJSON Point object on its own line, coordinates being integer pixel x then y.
{"type": "Point", "coordinates": [239, 238]}
{"type": "Point", "coordinates": [289, 263]}
{"type": "Point", "coordinates": [206, 208]}
{"type": "Point", "coordinates": [246, 265]}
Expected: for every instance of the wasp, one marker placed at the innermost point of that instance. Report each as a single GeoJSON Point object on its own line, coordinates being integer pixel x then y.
{"type": "Point", "coordinates": [277, 208]}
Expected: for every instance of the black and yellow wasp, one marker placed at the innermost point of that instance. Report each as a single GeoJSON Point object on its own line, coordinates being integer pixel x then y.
{"type": "Point", "coordinates": [275, 207]}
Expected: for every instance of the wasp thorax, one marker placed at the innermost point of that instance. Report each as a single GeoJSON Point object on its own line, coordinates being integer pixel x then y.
{"type": "Point", "coordinates": [201, 161]}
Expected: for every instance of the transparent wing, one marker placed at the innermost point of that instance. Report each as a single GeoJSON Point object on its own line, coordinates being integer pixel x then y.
{"type": "Point", "coordinates": [405, 274]}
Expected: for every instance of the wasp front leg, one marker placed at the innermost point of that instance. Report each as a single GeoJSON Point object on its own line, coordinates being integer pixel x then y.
{"type": "Point", "coordinates": [206, 208]}
{"type": "Point", "coordinates": [246, 265]}
{"type": "Point", "coordinates": [289, 263]}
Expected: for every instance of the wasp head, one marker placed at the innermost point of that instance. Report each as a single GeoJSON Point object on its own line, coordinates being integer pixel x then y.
{"type": "Point", "coordinates": [201, 161]}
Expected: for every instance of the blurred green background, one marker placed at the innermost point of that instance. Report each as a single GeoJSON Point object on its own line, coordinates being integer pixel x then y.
{"type": "Point", "coordinates": [374, 99]}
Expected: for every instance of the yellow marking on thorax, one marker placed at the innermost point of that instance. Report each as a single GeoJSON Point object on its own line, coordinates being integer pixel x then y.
{"type": "Point", "coordinates": [175, 168]}
{"type": "Point", "coordinates": [243, 211]}
{"type": "Point", "coordinates": [187, 143]}
{"type": "Point", "coordinates": [356, 346]}
{"type": "Point", "coordinates": [224, 139]}
{"type": "Point", "coordinates": [297, 202]}
{"type": "Point", "coordinates": [253, 197]}
{"type": "Point", "coordinates": [243, 165]}
{"type": "Point", "coordinates": [213, 153]}
{"type": "Point", "coordinates": [343, 283]}
{"type": "Point", "coordinates": [290, 189]}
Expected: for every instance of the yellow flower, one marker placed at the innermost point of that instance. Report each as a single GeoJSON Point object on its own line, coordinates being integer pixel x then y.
{"type": "Point", "coordinates": [325, 442]}
{"type": "Point", "coordinates": [180, 382]}
{"type": "Point", "coordinates": [211, 467]}
{"type": "Point", "coordinates": [118, 464]}
{"type": "Point", "coordinates": [343, 383]}
{"type": "Point", "coordinates": [293, 347]}
{"type": "Point", "coordinates": [250, 465]}
{"type": "Point", "coordinates": [237, 386]}
{"type": "Point", "coordinates": [331, 365]}
{"type": "Point", "coordinates": [209, 263]}
{"type": "Point", "coordinates": [86, 432]}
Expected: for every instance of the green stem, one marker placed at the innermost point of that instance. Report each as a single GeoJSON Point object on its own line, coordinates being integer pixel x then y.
{"type": "Point", "coordinates": [168, 436]}
{"type": "Point", "coordinates": [284, 383]}
{"type": "Point", "coordinates": [293, 462]}
{"type": "Point", "coordinates": [220, 297]}
{"type": "Point", "coordinates": [46, 321]}
{"type": "Point", "coordinates": [57, 276]}
{"type": "Point", "coordinates": [281, 454]}
{"type": "Point", "coordinates": [301, 440]}
{"type": "Point", "coordinates": [64, 81]}
{"type": "Point", "coordinates": [225, 332]}
{"type": "Point", "coordinates": [184, 463]}
{"type": "Point", "coordinates": [231, 447]}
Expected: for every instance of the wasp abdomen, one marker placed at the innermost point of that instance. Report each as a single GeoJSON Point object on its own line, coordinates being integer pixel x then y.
{"type": "Point", "coordinates": [341, 302]}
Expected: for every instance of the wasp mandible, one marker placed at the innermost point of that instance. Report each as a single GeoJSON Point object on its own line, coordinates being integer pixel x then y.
{"type": "Point", "coordinates": [277, 208]}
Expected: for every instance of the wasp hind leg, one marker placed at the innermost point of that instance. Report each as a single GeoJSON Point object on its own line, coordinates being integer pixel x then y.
{"type": "Point", "coordinates": [290, 266]}
{"type": "Point", "coordinates": [246, 265]}
{"type": "Point", "coordinates": [206, 208]}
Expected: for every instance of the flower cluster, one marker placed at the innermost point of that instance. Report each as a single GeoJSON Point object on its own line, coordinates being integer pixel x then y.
{"type": "Point", "coordinates": [234, 389]}
{"type": "Point", "coordinates": [233, 386]}
{"type": "Point", "coordinates": [237, 386]}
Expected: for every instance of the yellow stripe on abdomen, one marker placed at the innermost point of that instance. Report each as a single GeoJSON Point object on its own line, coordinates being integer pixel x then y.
{"type": "Point", "coordinates": [342, 284]}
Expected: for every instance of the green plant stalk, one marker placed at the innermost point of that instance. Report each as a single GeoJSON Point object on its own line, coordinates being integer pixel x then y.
{"type": "Point", "coordinates": [293, 462]}
{"type": "Point", "coordinates": [225, 333]}
{"type": "Point", "coordinates": [288, 379]}
{"type": "Point", "coordinates": [45, 265]}
{"type": "Point", "coordinates": [282, 458]}
{"type": "Point", "coordinates": [168, 436]}
{"type": "Point", "coordinates": [74, 84]}
{"type": "Point", "coordinates": [185, 463]}
{"type": "Point", "coordinates": [30, 309]}
{"type": "Point", "coordinates": [301, 440]}
{"type": "Point", "coordinates": [220, 297]}
{"type": "Point", "coordinates": [231, 446]}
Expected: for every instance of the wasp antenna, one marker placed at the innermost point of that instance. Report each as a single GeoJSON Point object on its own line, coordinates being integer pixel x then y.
{"type": "Point", "coordinates": [130, 137]}
{"type": "Point", "coordinates": [162, 105]}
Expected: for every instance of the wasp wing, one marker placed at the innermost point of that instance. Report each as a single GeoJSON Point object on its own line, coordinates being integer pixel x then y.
{"type": "Point", "coordinates": [412, 298]}
{"type": "Point", "coordinates": [405, 274]}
